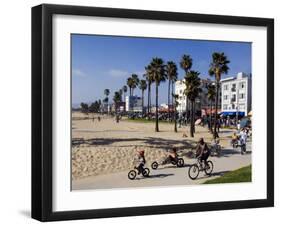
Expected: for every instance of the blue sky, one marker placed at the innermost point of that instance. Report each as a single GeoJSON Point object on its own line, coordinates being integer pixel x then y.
{"type": "Point", "coordinates": [100, 62]}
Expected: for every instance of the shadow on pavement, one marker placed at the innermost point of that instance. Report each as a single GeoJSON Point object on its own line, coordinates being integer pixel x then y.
{"type": "Point", "coordinates": [161, 175]}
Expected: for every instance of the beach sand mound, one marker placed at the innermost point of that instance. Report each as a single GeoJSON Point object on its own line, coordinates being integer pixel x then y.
{"type": "Point", "coordinates": [89, 161]}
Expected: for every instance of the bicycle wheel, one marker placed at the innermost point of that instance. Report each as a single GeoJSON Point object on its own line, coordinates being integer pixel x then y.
{"type": "Point", "coordinates": [193, 172]}
{"type": "Point", "coordinates": [209, 168]}
{"type": "Point", "coordinates": [145, 172]}
{"type": "Point", "coordinates": [132, 174]}
{"type": "Point", "coordinates": [180, 162]}
{"type": "Point", "coordinates": [154, 165]}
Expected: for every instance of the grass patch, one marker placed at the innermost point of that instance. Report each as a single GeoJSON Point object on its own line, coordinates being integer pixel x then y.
{"type": "Point", "coordinates": [240, 175]}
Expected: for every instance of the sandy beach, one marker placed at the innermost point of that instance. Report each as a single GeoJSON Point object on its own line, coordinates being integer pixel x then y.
{"type": "Point", "coordinates": [104, 147]}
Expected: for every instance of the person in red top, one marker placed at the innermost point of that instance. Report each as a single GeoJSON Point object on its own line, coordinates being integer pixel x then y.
{"type": "Point", "coordinates": [140, 160]}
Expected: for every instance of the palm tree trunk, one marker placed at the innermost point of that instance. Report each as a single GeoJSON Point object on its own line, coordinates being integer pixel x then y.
{"type": "Point", "coordinates": [211, 118]}
{"type": "Point", "coordinates": [191, 120]}
{"type": "Point", "coordinates": [216, 110]}
{"type": "Point", "coordinates": [186, 110]}
{"type": "Point", "coordinates": [172, 95]}
{"type": "Point", "coordinates": [175, 118]}
{"type": "Point", "coordinates": [193, 116]}
{"type": "Point", "coordinates": [148, 100]}
{"type": "Point", "coordinates": [142, 102]}
{"type": "Point", "coordinates": [116, 115]}
{"type": "Point", "coordinates": [156, 115]}
{"type": "Point", "coordinates": [169, 85]}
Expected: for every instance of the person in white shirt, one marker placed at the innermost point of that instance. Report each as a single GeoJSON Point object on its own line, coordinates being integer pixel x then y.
{"type": "Point", "coordinates": [243, 141]}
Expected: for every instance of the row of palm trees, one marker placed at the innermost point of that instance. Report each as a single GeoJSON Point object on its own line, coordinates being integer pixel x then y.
{"type": "Point", "coordinates": [157, 72]}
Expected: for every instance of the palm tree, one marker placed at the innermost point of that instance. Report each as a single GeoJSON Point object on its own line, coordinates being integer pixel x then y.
{"type": "Point", "coordinates": [159, 75]}
{"type": "Point", "coordinates": [172, 74]}
{"type": "Point", "coordinates": [121, 93]}
{"type": "Point", "coordinates": [135, 83]}
{"type": "Point", "coordinates": [142, 86]}
{"type": "Point", "coordinates": [130, 84]}
{"type": "Point", "coordinates": [218, 67]}
{"type": "Point", "coordinates": [192, 92]}
{"type": "Point", "coordinates": [117, 98]}
{"type": "Point", "coordinates": [106, 93]}
{"type": "Point", "coordinates": [149, 78]}
{"type": "Point", "coordinates": [176, 97]}
{"type": "Point", "coordinates": [125, 89]}
{"type": "Point", "coordinates": [84, 108]}
{"type": "Point", "coordinates": [211, 94]}
{"type": "Point", "coordinates": [186, 64]}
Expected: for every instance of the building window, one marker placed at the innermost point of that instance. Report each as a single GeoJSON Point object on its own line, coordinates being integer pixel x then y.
{"type": "Point", "coordinates": [225, 106]}
{"type": "Point", "coordinates": [225, 97]}
{"type": "Point", "coordinates": [233, 99]}
{"type": "Point", "coordinates": [225, 87]}
{"type": "Point", "coordinates": [241, 96]}
{"type": "Point", "coordinates": [241, 106]}
{"type": "Point", "coordinates": [233, 88]}
{"type": "Point", "coordinates": [241, 85]}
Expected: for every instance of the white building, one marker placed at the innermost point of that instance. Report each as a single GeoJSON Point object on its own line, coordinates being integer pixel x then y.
{"type": "Point", "coordinates": [179, 90]}
{"type": "Point", "coordinates": [133, 103]}
{"type": "Point", "coordinates": [236, 95]}
{"type": "Point", "coordinates": [202, 102]}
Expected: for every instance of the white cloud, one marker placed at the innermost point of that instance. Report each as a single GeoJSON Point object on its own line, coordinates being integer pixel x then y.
{"type": "Point", "coordinates": [78, 73]}
{"type": "Point", "coordinates": [118, 73]}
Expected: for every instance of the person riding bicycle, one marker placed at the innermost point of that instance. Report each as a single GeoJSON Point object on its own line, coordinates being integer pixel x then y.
{"type": "Point", "coordinates": [173, 154]}
{"type": "Point", "coordinates": [202, 151]}
{"type": "Point", "coordinates": [140, 159]}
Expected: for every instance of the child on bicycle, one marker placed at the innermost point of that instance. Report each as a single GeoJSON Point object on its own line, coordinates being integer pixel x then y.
{"type": "Point", "coordinates": [140, 159]}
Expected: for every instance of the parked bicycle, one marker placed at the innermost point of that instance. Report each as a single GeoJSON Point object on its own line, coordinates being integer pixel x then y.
{"type": "Point", "coordinates": [215, 148]}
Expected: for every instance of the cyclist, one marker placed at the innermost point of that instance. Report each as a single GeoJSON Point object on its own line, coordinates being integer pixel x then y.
{"type": "Point", "coordinates": [173, 154]}
{"type": "Point", "coordinates": [202, 151]}
{"type": "Point", "coordinates": [140, 161]}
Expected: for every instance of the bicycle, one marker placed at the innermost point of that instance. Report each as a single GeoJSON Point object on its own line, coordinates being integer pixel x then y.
{"type": "Point", "coordinates": [194, 169]}
{"type": "Point", "coordinates": [215, 150]}
{"type": "Point", "coordinates": [179, 162]}
{"type": "Point", "coordinates": [138, 170]}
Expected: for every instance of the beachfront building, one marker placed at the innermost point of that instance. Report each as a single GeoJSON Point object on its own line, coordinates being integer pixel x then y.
{"type": "Point", "coordinates": [133, 103]}
{"type": "Point", "coordinates": [202, 103]}
{"type": "Point", "coordinates": [236, 95]}
{"type": "Point", "coordinates": [120, 107]}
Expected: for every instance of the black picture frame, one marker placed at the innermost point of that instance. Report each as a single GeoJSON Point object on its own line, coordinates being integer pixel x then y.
{"type": "Point", "coordinates": [42, 111]}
